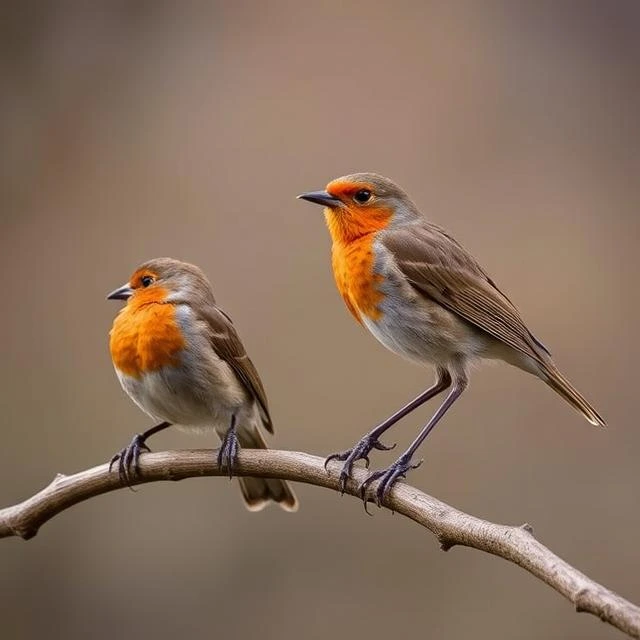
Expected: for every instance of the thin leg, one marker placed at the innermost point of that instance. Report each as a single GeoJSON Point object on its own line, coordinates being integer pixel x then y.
{"type": "Point", "coordinates": [128, 458]}
{"type": "Point", "coordinates": [403, 464]}
{"type": "Point", "coordinates": [228, 451]}
{"type": "Point", "coordinates": [370, 441]}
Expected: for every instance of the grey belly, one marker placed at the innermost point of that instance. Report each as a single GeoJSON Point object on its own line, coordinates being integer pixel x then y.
{"type": "Point", "coordinates": [421, 330]}
{"type": "Point", "coordinates": [191, 400]}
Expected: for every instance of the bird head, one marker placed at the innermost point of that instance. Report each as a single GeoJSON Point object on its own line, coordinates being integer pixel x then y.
{"type": "Point", "coordinates": [165, 280]}
{"type": "Point", "coordinates": [362, 203]}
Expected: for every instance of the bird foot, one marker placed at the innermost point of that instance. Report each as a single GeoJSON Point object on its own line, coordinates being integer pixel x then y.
{"type": "Point", "coordinates": [228, 452]}
{"type": "Point", "coordinates": [387, 478]}
{"type": "Point", "coordinates": [129, 460]}
{"type": "Point", "coordinates": [360, 451]}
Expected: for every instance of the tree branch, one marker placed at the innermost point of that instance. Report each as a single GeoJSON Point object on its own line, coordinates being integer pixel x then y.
{"type": "Point", "coordinates": [450, 526]}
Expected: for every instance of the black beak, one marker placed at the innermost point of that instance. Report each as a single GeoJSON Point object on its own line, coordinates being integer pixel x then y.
{"type": "Point", "coordinates": [122, 293]}
{"type": "Point", "coordinates": [321, 197]}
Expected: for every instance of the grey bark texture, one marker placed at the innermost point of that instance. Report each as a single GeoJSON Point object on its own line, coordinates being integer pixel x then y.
{"type": "Point", "coordinates": [450, 526]}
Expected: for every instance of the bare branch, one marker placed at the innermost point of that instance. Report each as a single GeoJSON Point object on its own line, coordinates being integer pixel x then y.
{"type": "Point", "coordinates": [450, 526]}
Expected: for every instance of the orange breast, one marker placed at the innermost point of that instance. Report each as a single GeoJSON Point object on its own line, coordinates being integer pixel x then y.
{"type": "Point", "coordinates": [353, 271]}
{"type": "Point", "coordinates": [145, 338]}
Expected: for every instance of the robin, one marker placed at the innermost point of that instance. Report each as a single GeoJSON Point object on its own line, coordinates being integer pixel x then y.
{"type": "Point", "coordinates": [424, 297]}
{"type": "Point", "coordinates": [179, 358]}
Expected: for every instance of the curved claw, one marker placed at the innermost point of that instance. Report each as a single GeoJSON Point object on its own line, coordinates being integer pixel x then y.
{"type": "Point", "coordinates": [366, 507]}
{"type": "Point", "coordinates": [128, 460]}
{"type": "Point", "coordinates": [383, 447]}
{"type": "Point", "coordinates": [344, 477]}
{"type": "Point", "coordinates": [345, 474]}
{"type": "Point", "coordinates": [348, 458]}
{"type": "Point", "coordinates": [388, 477]}
{"type": "Point", "coordinates": [367, 482]}
{"type": "Point", "coordinates": [359, 452]}
{"type": "Point", "coordinates": [385, 485]}
{"type": "Point", "coordinates": [342, 456]}
{"type": "Point", "coordinates": [113, 460]}
{"type": "Point", "coordinates": [228, 452]}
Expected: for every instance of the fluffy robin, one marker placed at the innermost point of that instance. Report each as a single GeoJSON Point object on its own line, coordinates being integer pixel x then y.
{"type": "Point", "coordinates": [179, 358]}
{"type": "Point", "coordinates": [424, 297]}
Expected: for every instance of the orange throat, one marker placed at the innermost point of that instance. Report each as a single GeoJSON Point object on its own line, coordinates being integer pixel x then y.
{"type": "Point", "coordinates": [353, 259]}
{"type": "Point", "coordinates": [145, 336]}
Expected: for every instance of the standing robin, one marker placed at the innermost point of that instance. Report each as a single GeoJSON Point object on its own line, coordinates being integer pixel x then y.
{"type": "Point", "coordinates": [425, 298]}
{"type": "Point", "coordinates": [179, 358]}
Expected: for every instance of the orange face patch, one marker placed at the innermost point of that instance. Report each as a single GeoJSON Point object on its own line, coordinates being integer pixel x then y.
{"type": "Point", "coordinates": [145, 336]}
{"type": "Point", "coordinates": [136, 279]}
{"type": "Point", "coordinates": [352, 220]}
{"type": "Point", "coordinates": [345, 188]}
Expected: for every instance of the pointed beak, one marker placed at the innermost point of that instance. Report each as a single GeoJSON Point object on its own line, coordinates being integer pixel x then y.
{"type": "Point", "coordinates": [321, 197]}
{"type": "Point", "coordinates": [122, 293]}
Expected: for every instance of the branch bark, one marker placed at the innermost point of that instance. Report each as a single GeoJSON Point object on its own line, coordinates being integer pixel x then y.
{"type": "Point", "coordinates": [450, 526]}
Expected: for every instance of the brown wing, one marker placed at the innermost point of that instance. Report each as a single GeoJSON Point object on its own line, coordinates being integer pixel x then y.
{"type": "Point", "coordinates": [435, 264]}
{"type": "Point", "coordinates": [227, 344]}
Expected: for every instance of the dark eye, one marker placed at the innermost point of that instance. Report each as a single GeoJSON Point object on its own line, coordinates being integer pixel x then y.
{"type": "Point", "coordinates": [146, 280]}
{"type": "Point", "coordinates": [363, 196]}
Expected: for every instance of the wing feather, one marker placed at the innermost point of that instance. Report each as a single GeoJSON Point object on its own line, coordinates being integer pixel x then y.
{"type": "Point", "coordinates": [227, 344]}
{"type": "Point", "coordinates": [437, 266]}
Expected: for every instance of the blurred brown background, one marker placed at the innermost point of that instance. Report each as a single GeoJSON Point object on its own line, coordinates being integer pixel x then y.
{"type": "Point", "coordinates": [134, 130]}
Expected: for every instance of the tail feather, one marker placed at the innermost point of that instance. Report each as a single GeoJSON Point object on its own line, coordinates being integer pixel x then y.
{"type": "Point", "coordinates": [565, 389]}
{"type": "Point", "coordinates": [259, 492]}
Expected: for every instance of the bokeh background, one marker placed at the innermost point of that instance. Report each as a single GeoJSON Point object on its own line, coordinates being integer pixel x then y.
{"type": "Point", "coordinates": [138, 129]}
